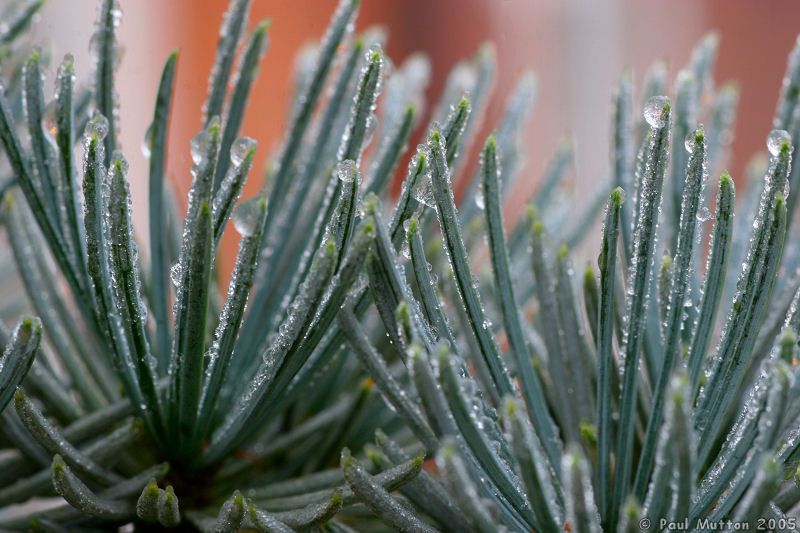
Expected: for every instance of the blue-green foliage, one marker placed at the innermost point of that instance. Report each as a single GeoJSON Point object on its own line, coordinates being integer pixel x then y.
{"type": "Point", "coordinates": [649, 391]}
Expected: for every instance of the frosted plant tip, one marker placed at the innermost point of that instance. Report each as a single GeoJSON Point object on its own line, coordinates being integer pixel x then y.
{"type": "Point", "coordinates": [372, 453]}
{"type": "Point", "coordinates": [618, 196]}
{"type": "Point", "coordinates": [444, 356]}
{"type": "Point", "coordinates": [677, 397]}
{"type": "Point", "coordinates": [511, 406]}
{"type": "Point", "coordinates": [531, 214]}
{"type": "Point", "coordinates": [376, 54]}
{"type": "Point", "coordinates": [347, 458]}
{"type": "Point", "coordinates": [588, 432]}
{"type": "Point", "coordinates": [369, 227]}
{"type": "Point", "coordinates": [367, 385]}
{"type": "Point", "coordinates": [58, 464]}
{"type": "Point", "coordinates": [632, 509]}
{"type": "Point", "coordinates": [699, 135]}
{"type": "Point", "coordinates": [448, 450]}
{"type": "Point", "coordinates": [487, 50]}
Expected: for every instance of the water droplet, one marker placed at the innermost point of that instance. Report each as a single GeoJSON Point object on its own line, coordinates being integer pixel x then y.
{"type": "Point", "coordinates": [422, 191]}
{"type": "Point", "coordinates": [479, 200]}
{"type": "Point", "coordinates": [118, 161]}
{"type": "Point", "coordinates": [201, 143]}
{"type": "Point", "coordinates": [405, 249]}
{"type": "Point", "coordinates": [97, 126]}
{"type": "Point", "coordinates": [423, 188]}
{"type": "Point", "coordinates": [375, 51]}
{"type": "Point", "coordinates": [704, 214]}
{"type": "Point", "coordinates": [147, 141]}
{"type": "Point", "coordinates": [369, 130]}
{"type": "Point", "coordinates": [240, 148]}
{"type": "Point", "coordinates": [775, 140]}
{"type": "Point", "coordinates": [50, 120]}
{"type": "Point", "coordinates": [65, 75]}
{"type": "Point", "coordinates": [346, 170]}
{"type": "Point", "coordinates": [654, 111]}
{"type": "Point", "coordinates": [691, 140]}
{"type": "Point", "coordinates": [247, 215]}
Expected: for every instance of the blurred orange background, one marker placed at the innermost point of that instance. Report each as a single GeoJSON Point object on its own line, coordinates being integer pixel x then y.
{"type": "Point", "coordinates": [578, 50]}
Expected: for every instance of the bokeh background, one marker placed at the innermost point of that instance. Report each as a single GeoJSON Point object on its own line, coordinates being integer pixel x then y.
{"type": "Point", "coordinates": [578, 49]}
